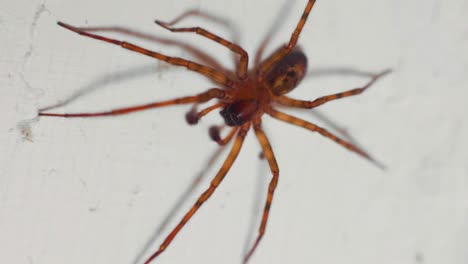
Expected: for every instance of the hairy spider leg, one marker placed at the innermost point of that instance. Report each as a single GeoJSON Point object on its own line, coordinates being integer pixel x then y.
{"type": "Point", "coordinates": [209, 72]}
{"type": "Point", "coordinates": [244, 57]}
{"type": "Point", "coordinates": [270, 156]}
{"type": "Point", "coordinates": [287, 101]}
{"type": "Point", "coordinates": [267, 64]}
{"type": "Point", "coordinates": [200, 98]}
{"type": "Point", "coordinates": [236, 147]}
{"type": "Point", "coordinates": [322, 131]}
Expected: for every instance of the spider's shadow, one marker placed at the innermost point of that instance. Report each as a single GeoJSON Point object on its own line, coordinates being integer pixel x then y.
{"type": "Point", "coordinates": [178, 204]}
{"type": "Point", "coordinates": [197, 53]}
{"type": "Point", "coordinates": [116, 77]}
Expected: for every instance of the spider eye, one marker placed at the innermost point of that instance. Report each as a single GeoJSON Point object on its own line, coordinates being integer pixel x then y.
{"type": "Point", "coordinates": [287, 73]}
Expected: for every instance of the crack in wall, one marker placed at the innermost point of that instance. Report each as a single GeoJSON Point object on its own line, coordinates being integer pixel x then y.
{"type": "Point", "coordinates": [27, 55]}
{"type": "Point", "coordinates": [24, 126]}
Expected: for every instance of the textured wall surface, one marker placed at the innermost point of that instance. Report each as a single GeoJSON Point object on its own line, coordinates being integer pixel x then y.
{"type": "Point", "coordinates": [100, 190]}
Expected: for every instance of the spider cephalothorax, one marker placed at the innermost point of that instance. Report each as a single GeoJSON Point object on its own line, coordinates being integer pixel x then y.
{"type": "Point", "coordinates": [282, 78]}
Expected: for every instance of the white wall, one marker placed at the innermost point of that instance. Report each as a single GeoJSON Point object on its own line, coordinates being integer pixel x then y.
{"type": "Point", "coordinates": [96, 190]}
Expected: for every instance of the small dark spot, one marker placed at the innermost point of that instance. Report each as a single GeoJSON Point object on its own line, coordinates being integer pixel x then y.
{"type": "Point", "coordinates": [261, 155]}
{"type": "Point", "coordinates": [191, 117]}
{"type": "Point", "coordinates": [291, 74]}
{"type": "Point", "coordinates": [419, 257]}
{"type": "Point", "coordinates": [231, 119]}
{"type": "Point", "coordinates": [214, 133]}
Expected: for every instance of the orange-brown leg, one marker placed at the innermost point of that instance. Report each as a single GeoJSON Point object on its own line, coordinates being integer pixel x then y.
{"type": "Point", "coordinates": [205, 111]}
{"type": "Point", "coordinates": [266, 66]}
{"type": "Point", "coordinates": [244, 57]}
{"type": "Point", "coordinates": [192, 117]}
{"type": "Point", "coordinates": [214, 132]}
{"type": "Point", "coordinates": [221, 21]}
{"type": "Point", "coordinates": [202, 199]}
{"type": "Point", "coordinates": [268, 152]}
{"type": "Point", "coordinates": [200, 98]}
{"type": "Point", "coordinates": [312, 127]}
{"type": "Point", "coordinates": [284, 100]}
{"type": "Point", "coordinates": [209, 72]}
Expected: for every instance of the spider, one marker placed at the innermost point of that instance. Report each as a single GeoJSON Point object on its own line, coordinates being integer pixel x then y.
{"type": "Point", "coordinates": [243, 96]}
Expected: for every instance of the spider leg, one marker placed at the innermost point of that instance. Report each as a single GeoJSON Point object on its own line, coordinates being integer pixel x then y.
{"type": "Point", "coordinates": [206, 195]}
{"type": "Point", "coordinates": [209, 72]}
{"type": "Point", "coordinates": [266, 66]}
{"type": "Point", "coordinates": [196, 52]}
{"type": "Point", "coordinates": [192, 117]}
{"type": "Point", "coordinates": [244, 57]}
{"type": "Point", "coordinates": [205, 111]}
{"type": "Point", "coordinates": [200, 98]}
{"type": "Point", "coordinates": [312, 127]}
{"type": "Point", "coordinates": [214, 132]}
{"type": "Point", "coordinates": [270, 156]}
{"type": "Point", "coordinates": [210, 17]}
{"type": "Point", "coordinates": [284, 100]}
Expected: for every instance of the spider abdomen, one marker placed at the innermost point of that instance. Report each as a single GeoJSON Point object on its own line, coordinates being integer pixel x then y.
{"type": "Point", "coordinates": [239, 112]}
{"type": "Point", "coordinates": [287, 74]}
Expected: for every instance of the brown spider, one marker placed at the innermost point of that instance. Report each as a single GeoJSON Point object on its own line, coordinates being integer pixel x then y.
{"type": "Point", "coordinates": [243, 99]}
